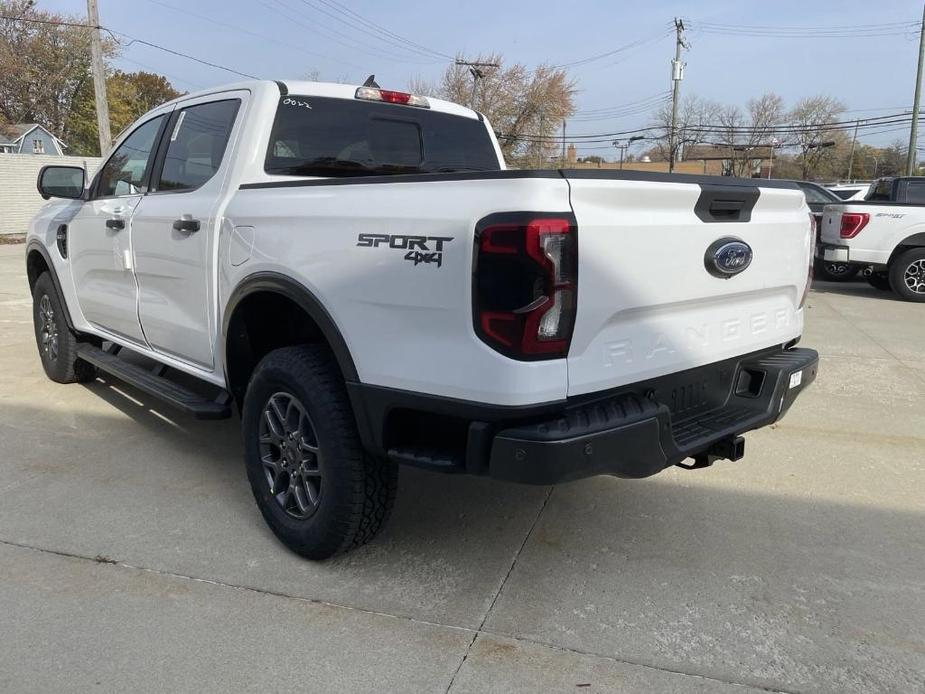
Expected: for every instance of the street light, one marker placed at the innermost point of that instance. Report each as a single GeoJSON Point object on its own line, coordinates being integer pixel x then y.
{"type": "Point", "coordinates": [625, 145]}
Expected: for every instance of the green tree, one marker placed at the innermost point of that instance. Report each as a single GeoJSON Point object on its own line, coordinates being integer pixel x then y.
{"type": "Point", "coordinates": [130, 95]}
{"type": "Point", "coordinates": [43, 67]}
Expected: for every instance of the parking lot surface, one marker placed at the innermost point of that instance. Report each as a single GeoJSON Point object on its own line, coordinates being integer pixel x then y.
{"type": "Point", "coordinates": [132, 557]}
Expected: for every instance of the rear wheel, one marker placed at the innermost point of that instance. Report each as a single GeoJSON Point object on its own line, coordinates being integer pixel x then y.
{"type": "Point", "coordinates": [57, 345]}
{"type": "Point", "coordinates": [879, 280]}
{"type": "Point", "coordinates": [317, 489]}
{"type": "Point", "coordinates": [835, 272]}
{"type": "Point", "coordinates": [907, 275]}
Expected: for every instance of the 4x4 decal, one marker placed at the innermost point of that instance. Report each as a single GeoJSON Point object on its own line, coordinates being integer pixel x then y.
{"type": "Point", "coordinates": [420, 249]}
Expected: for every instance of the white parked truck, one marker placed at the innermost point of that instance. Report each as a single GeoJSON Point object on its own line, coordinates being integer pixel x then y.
{"type": "Point", "coordinates": [355, 270]}
{"type": "Point", "coordinates": [884, 234]}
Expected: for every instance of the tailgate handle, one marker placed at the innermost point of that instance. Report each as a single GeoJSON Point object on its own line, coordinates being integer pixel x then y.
{"type": "Point", "coordinates": [726, 203]}
{"type": "Point", "coordinates": [726, 209]}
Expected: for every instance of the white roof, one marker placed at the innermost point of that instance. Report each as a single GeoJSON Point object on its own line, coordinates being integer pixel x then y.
{"type": "Point", "coordinates": [323, 89]}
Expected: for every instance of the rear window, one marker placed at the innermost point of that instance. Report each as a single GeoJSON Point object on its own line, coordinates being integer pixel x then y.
{"type": "Point", "coordinates": [845, 193]}
{"type": "Point", "coordinates": [320, 136]}
{"type": "Point", "coordinates": [882, 190]}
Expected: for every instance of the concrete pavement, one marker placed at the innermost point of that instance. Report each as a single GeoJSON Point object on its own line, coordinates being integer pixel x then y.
{"type": "Point", "coordinates": [133, 558]}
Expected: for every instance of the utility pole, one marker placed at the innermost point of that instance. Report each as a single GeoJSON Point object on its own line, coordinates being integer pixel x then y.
{"type": "Point", "coordinates": [99, 78]}
{"type": "Point", "coordinates": [563, 143]}
{"type": "Point", "coordinates": [475, 69]}
{"type": "Point", "coordinates": [774, 143]}
{"type": "Point", "coordinates": [913, 134]}
{"type": "Point", "coordinates": [625, 145]}
{"type": "Point", "coordinates": [854, 141]}
{"type": "Point", "coordinates": [677, 74]}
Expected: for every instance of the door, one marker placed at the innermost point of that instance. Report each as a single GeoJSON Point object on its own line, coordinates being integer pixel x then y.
{"type": "Point", "coordinates": [174, 230]}
{"type": "Point", "coordinates": [99, 236]}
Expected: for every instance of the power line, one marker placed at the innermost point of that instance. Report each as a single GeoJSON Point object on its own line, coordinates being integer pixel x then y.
{"type": "Point", "coordinates": [132, 39]}
{"type": "Point", "coordinates": [812, 32]}
{"type": "Point", "coordinates": [417, 53]}
{"type": "Point", "coordinates": [243, 30]}
{"type": "Point", "coordinates": [368, 22]}
{"type": "Point", "coordinates": [621, 49]}
{"type": "Point", "coordinates": [296, 16]}
{"type": "Point", "coordinates": [719, 128]}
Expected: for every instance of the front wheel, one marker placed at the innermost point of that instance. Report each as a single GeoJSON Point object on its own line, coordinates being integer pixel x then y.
{"type": "Point", "coordinates": [57, 345]}
{"type": "Point", "coordinates": [317, 489]}
{"type": "Point", "coordinates": [907, 275]}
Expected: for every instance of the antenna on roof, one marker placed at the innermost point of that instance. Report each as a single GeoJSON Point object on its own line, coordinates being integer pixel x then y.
{"type": "Point", "coordinates": [371, 82]}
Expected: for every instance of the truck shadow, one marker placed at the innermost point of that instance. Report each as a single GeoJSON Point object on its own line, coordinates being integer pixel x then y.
{"type": "Point", "coordinates": [689, 571]}
{"type": "Point", "coordinates": [855, 289]}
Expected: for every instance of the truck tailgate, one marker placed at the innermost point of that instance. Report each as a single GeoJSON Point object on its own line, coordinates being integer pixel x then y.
{"type": "Point", "coordinates": [648, 304]}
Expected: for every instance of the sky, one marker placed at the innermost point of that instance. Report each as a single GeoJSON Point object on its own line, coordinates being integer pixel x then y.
{"type": "Point", "coordinates": [279, 39]}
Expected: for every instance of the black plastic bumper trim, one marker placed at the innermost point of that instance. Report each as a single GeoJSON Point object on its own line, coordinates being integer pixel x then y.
{"type": "Point", "coordinates": [628, 436]}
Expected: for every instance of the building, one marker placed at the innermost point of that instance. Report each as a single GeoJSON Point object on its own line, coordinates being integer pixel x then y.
{"type": "Point", "coordinates": [29, 138]}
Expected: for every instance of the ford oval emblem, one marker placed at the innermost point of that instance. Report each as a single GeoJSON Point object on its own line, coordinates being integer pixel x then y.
{"type": "Point", "coordinates": [728, 257]}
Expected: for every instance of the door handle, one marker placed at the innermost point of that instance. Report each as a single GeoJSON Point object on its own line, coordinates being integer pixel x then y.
{"type": "Point", "coordinates": [115, 223]}
{"type": "Point", "coordinates": [189, 225]}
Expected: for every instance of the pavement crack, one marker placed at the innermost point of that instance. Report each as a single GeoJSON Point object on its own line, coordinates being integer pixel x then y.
{"type": "Point", "coordinates": [104, 560]}
{"type": "Point", "coordinates": [510, 570]}
{"type": "Point", "coordinates": [635, 663]}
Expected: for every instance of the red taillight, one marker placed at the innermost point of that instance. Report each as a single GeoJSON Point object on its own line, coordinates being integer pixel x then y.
{"type": "Point", "coordinates": [525, 291]}
{"type": "Point", "coordinates": [391, 97]}
{"type": "Point", "coordinates": [852, 223]}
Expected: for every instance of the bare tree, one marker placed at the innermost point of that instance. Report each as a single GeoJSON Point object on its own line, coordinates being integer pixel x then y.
{"type": "Point", "coordinates": [747, 135]}
{"type": "Point", "coordinates": [695, 116]}
{"type": "Point", "coordinates": [525, 107]}
{"type": "Point", "coordinates": [815, 138]}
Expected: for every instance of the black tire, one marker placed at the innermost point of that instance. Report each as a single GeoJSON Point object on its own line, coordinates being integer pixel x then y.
{"type": "Point", "coordinates": [907, 275]}
{"type": "Point", "coordinates": [353, 492]}
{"type": "Point", "coordinates": [57, 345]}
{"type": "Point", "coordinates": [880, 280]}
{"type": "Point", "coordinates": [834, 272]}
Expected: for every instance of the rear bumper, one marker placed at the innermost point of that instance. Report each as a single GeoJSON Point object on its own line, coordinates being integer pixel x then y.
{"type": "Point", "coordinates": [633, 435]}
{"type": "Point", "coordinates": [632, 431]}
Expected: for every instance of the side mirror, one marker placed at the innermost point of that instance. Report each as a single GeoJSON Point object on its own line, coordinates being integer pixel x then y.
{"type": "Point", "coordinates": [61, 182]}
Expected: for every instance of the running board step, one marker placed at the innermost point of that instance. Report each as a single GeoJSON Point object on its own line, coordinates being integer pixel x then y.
{"type": "Point", "coordinates": [156, 385]}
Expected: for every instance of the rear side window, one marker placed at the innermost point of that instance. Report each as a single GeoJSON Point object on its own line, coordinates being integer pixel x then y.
{"type": "Point", "coordinates": [915, 192]}
{"type": "Point", "coordinates": [882, 190]}
{"type": "Point", "coordinates": [814, 195]}
{"type": "Point", "coordinates": [197, 144]}
{"type": "Point", "coordinates": [321, 136]}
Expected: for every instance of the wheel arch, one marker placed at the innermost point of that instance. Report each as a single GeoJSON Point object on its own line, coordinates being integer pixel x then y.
{"type": "Point", "coordinates": [260, 298]}
{"type": "Point", "coordinates": [39, 261]}
{"type": "Point", "coordinates": [913, 241]}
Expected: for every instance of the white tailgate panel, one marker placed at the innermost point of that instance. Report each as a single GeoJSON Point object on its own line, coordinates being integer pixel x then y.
{"type": "Point", "coordinates": [646, 304]}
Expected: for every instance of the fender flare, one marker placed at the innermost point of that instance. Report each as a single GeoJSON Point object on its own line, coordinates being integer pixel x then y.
{"type": "Point", "coordinates": [917, 239]}
{"type": "Point", "coordinates": [36, 246]}
{"type": "Point", "coordinates": [914, 240]}
{"type": "Point", "coordinates": [267, 281]}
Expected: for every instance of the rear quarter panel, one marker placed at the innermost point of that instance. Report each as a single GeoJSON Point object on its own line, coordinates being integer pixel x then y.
{"type": "Point", "coordinates": [407, 325]}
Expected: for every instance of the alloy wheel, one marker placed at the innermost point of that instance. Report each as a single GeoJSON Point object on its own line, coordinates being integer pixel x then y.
{"type": "Point", "coordinates": [48, 335]}
{"type": "Point", "coordinates": [290, 456]}
{"type": "Point", "coordinates": [914, 276]}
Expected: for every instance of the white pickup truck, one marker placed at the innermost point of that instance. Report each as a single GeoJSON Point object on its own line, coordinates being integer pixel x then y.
{"type": "Point", "coordinates": [358, 273]}
{"type": "Point", "coordinates": [884, 234]}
